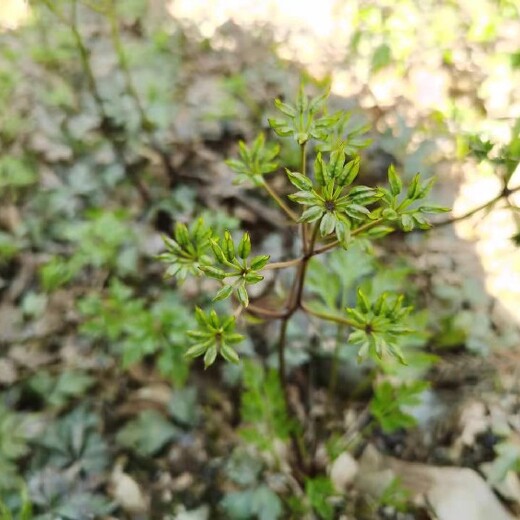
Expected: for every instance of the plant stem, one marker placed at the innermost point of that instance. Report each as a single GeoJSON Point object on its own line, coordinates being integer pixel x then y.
{"type": "Point", "coordinates": [489, 204]}
{"type": "Point", "coordinates": [303, 167]}
{"type": "Point", "coordinates": [335, 358]}
{"type": "Point", "coordinates": [303, 267]}
{"type": "Point", "coordinates": [283, 264]}
{"type": "Point", "coordinates": [288, 211]}
{"type": "Point", "coordinates": [328, 317]}
{"type": "Point", "coordinates": [299, 450]}
{"type": "Point", "coordinates": [281, 359]}
{"type": "Point", "coordinates": [267, 313]}
{"type": "Point", "coordinates": [303, 158]}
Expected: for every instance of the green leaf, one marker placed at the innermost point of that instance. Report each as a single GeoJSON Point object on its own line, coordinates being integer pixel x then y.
{"type": "Point", "coordinates": [58, 390]}
{"type": "Point", "coordinates": [201, 317]}
{"type": "Point", "coordinates": [223, 293]}
{"type": "Point", "coordinates": [259, 262]}
{"type": "Point", "coordinates": [229, 354]}
{"type": "Point", "coordinates": [244, 247]}
{"type": "Point", "coordinates": [304, 197]}
{"type": "Point", "coordinates": [396, 184]}
{"type": "Point", "coordinates": [433, 208]}
{"type": "Point", "coordinates": [319, 490]}
{"type": "Point", "coordinates": [197, 350]}
{"type": "Point", "coordinates": [343, 233]}
{"type": "Point", "coordinates": [237, 504]}
{"type": "Point", "coordinates": [312, 214]}
{"type": "Point", "coordinates": [266, 504]}
{"type": "Point", "coordinates": [280, 127]}
{"type": "Point", "coordinates": [388, 401]}
{"type": "Point", "coordinates": [181, 234]}
{"type": "Point", "coordinates": [317, 102]}
{"type": "Point", "coordinates": [217, 250]}
{"type": "Point", "coordinates": [349, 172]}
{"type": "Point", "coordinates": [379, 231]}
{"type": "Point", "coordinates": [406, 222]}
{"type": "Point", "coordinates": [336, 163]}
{"type": "Point", "coordinates": [285, 108]}
{"type": "Point", "coordinates": [327, 224]}
{"type": "Point", "coordinates": [300, 181]}
{"type": "Point", "coordinates": [363, 303]}
{"type": "Point", "coordinates": [320, 170]}
{"type": "Point", "coordinates": [210, 356]}
{"type": "Point", "coordinates": [263, 407]}
{"type": "Point", "coordinates": [228, 246]}
{"type": "Point", "coordinates": [414, 188]}
{"type": "Point", "coordinates": [252, 278]}
{"type": "Point", "coordinates": [242, 296]}
{"type": "Point", "coordinates": [147, 434]}
{"type": "Point", "coordinates": [213, 272]}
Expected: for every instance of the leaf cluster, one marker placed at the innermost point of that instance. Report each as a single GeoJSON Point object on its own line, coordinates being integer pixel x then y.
{"type": "Point", "coordinates": [254, 161]}
{"type": "Point", "coordinates": [135, 328]}
{"type": "Point", "coordinates": [304, 120]}
{"type": "Point", "coordinates": [263, 408]}
{"type": "Point", "coordinates": [404, 209]}
{"type": "Point", "coordinates": [328, 200]}
{"type": "Point", "coordinates": [378, 325]}
{"type": "Point", "coordinates": [214, 336]}
{"type": "Point", "coordinates": [388, 402]}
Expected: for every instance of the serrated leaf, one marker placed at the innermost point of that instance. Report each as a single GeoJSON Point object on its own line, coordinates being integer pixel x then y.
{"type": "Point", "coordinates": [280, 127]}
{"type": "Point", "coordinates": [433, 208]}
{"type": "Point", "coordinates": [244, 246]}
{"type": "Point", "coordinates": [252, 278]}
{"type": "Point", "coordinates": [396, 184]}
{"type": "Point", "coordinates": [242, 296]}
{"type": "Point", "coordinates": [229, 354]}
{"type": "Point", "coordinates": [228, 246]}
{"type": "Point", "coordinates": [197, 350]}
{"type": "Point", "coordinates": [311, 214]}
{"type": "Point", "coordinates": [210, 356]}
{"type": "Point", "coordinates": [259, 262]}
{"type": "Point", "coordinates": [213, 272]}
{"type": "Point", "coordinates": [363, 302]}
{"type": "Point", "coordinates": [299, 181]}
{"type": "Point", "coordinates": [223, 293]}
{"type": "Point", "coordinates": [320, 170]}
{"type": "Point", "coordinates": [286, 109]}
{"type": "Point", "coordinates": [327, 224]}
{"type": "Point", "coordinates": [414, 188]}
{"type": "Point", "coordinates": [217, 251]}
{"type": "Point", "coordinates": [349, 172]}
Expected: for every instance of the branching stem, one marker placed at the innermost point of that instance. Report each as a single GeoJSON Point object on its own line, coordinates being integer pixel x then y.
{"type": "Point", "coordinates": [328, 317]}
{"type": "Point", "coordinates": [287, 210]}
{"type": "Point", "coordinates": [489, 204]}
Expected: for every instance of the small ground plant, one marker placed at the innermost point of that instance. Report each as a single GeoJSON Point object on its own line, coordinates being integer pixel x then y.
{"type": "Point", "coordinates": [331, 210]}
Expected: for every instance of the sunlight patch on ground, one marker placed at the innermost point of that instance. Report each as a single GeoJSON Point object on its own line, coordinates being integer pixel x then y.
{"type": "Point", "coordinates": [492, 237]}
{"type": "Point", "coordinates": [13, 13]}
